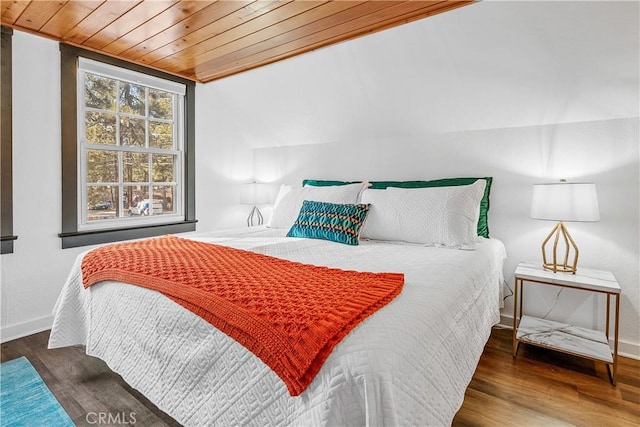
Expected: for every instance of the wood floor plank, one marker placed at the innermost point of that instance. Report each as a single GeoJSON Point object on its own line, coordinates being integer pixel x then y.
{"type": "Point", "coordinates": [477, 402]}
{"type": "Point", "coordinates": [538, 388]}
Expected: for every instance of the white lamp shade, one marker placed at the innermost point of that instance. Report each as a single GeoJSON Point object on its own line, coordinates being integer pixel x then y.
{"type": "Point", "coordinates": [565, 201]}
{"type": "Point", "coordinates": [254, 193]}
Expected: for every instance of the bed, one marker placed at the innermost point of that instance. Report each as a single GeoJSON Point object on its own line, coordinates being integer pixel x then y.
{"type": "Point", "coordinates": [407, 364]}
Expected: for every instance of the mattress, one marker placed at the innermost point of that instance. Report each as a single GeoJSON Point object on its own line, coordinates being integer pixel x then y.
{"type": "Point", "coordinates": [407, 364]}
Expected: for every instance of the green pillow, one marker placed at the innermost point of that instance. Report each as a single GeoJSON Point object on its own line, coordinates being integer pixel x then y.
{"type": "Point", "coordinates": [325, 183]}
{"type": "Point", "coordinates": [329, 221]}
{"type": "Point", "coordinates": [483, 219]}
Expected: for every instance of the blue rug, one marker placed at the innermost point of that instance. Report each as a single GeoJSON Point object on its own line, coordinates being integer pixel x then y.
{"type": "Point", "coordinates": [25, 399]}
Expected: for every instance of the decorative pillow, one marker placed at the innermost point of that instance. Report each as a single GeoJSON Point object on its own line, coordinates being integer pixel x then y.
{"type": "Point", "coordinates": [443, 216]}
{"type": "Point", "coordinates": [289, 201]}
{"type": "Point", "coordinates": [329, 221]}
{"type": "Point", "coordinates": [483, 219]}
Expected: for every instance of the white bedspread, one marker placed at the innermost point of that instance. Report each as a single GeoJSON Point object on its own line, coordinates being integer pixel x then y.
{"type": "Point", "coordinates": [407, 364]}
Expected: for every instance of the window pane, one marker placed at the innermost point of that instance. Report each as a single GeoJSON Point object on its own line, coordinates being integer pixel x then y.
{"type": "Point", "coordinates": [102, 166]}
{"type": "Point", "coordinates": [163, 197]}
{"type": "Point", "coordinates": [136, 200]}
{"type": "Point", "coordinates": [102, 202]}
{"type": "Point", "coordinates": [160, 104]}
{"type": "Point", "coordinates": [132, 99]}
{"type": "Point", "coordinates": [163, 167]}
{"type": "Point", "coordinates": [135, 167]}
{"type": "Point", "coordinates": [99, 92]}
{"type": "Point", "coordinates": [132, 132]}
{"type": "Point", "coordinates": [100, 128]}
{"type": "Point", "coordinates": [161, 135]}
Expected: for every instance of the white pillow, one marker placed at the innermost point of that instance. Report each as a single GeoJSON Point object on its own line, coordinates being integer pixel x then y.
{"type": "Point", "coordinates": [289, 200]}
{"type": "Point", "coordinates": [284, 189]}
{"type": "Point", "coordinates": [442, 216]}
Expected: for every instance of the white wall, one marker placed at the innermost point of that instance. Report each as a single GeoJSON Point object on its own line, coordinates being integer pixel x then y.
{"type": "Point", "coordinates": [524, 92]}
{"type": "Point", "coordinates": [33, 276]}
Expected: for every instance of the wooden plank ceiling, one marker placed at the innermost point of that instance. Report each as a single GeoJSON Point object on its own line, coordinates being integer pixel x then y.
{"type": "Point", "coordinates": [208, 40]}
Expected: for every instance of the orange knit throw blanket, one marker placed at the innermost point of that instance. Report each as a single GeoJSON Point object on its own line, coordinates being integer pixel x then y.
{"type": "Point", "coordinates": [290, 315]}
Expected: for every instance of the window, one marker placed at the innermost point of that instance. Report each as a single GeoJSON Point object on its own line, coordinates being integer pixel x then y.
{"type": "Point", "coordinates": [130, 130]}
{"type": "Point", "coordinates": [130, 154]}
{"type": "Point", "coordinates": [6, 154]}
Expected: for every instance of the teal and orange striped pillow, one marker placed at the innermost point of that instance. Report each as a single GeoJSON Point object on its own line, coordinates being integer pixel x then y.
{"type": "Point", "coordinates": [330, 221]}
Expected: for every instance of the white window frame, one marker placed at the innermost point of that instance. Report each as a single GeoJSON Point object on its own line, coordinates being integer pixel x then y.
{"type": "Point", "coordinates": [150, 82]}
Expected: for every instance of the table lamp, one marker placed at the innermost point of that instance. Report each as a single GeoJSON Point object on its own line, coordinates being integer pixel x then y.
{"type": "Point", "coordinates": [255, 194]}
{"type": "Point", "coordinates": [563, 201]}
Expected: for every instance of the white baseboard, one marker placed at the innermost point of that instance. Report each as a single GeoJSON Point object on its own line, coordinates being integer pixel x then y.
{"type": "Point", "coordinates": [8, 333]}
{"type": "Point", "coordinates": [625, 348]}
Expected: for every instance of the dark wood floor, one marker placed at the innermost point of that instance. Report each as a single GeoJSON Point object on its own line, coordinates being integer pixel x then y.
{"type": "Point", "coordinates": [539, 388]}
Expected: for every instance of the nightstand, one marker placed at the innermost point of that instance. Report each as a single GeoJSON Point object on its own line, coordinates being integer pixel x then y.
{"type": "Point", "coordinates": [582, 342]}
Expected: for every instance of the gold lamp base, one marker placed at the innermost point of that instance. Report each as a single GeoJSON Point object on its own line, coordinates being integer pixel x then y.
{"type": "Point", "coordinates": [564, 266]}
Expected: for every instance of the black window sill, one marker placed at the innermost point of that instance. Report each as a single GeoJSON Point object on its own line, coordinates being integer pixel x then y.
{"type": "Point", "coordinates": [94, 237]}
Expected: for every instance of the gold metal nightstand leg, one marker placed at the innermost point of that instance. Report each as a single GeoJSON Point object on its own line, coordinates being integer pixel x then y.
{"type": "Point", "coordinates": [613, 368]}
{"type": "Point", "coordinates": [615, 341]}
{"type": "Point", "coordinates": [515, 318]}
{"type": "Point", "coordinates": [606, 329]}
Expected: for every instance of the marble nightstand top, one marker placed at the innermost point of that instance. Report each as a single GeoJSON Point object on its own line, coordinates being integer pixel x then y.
{"type": "Point", "coordinates": [585, 278]}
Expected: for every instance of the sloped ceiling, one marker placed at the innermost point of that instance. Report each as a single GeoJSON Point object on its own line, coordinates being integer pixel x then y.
{"type": "Point", "coordinates": [207, 40]}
